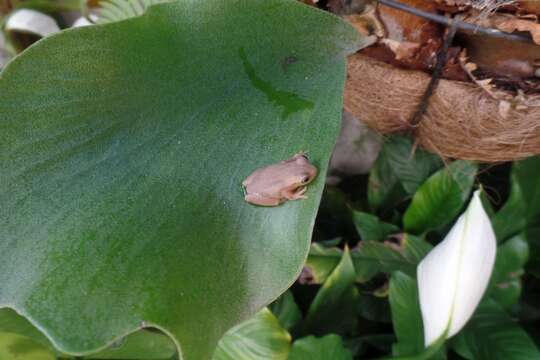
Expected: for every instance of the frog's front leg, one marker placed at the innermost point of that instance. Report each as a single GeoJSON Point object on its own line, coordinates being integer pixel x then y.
{"type": "Point", "coordinates": [295, 194]}
{"type": "Point", "coordinates": [257, 199]}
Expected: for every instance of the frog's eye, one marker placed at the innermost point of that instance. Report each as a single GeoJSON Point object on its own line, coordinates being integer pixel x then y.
{"type": "Point", "coordinates": [305, 179]}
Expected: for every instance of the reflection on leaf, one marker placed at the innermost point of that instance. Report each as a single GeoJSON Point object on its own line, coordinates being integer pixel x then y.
{"type": "Point", "coordinates": [290, 102]}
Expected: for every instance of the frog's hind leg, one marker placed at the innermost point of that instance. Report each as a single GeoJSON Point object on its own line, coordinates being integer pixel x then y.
{"type": "Point", "coordinates": [257, 199]}
{"type": "Point", "coordinates": [296, 194]}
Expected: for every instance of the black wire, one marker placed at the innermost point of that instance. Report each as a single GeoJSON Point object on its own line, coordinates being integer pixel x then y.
{"type": "Point", "coordinates": [442, 58]}
{"type": "Point", "coordinates": [461, 25]}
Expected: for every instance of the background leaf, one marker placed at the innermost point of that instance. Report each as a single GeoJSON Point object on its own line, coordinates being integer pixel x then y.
{"type": "Point", "coordinates": [324, 348]}
{"type": "Point", "coordinates": [492, 335]}
{"type": "Point", "coordinates": [142, 344]}
{"type": "Point", "coordinates": [440, 198]}
{"type": "Point", "coordinates": [321, 262]}
{"type": "Point", "coordinates": [522, 209]}
{"type": "Point", "coordinates": [372, 257]}
{"type": "Point", "coordinates": [505, 284]}
{"type": "Point", "coordinates": [334, 306]}
{"type": "Point", "coordinates": [286, 310]}
{"type": "Point", "coordinates": [371, 228]}
{"type": "Point", "coordinates": [18, 347]}
{"type": "Point", "coordinates": [259, 338]}
{"type": "Point", "coordinates": [117, 10]}
{"type": "Point", "coordinates": [406, 316]}
{"type": "Point", "coordinates": [399, 166]}
{"type": "Point", "coordinates": [532, 235]}
{"type": "Point", "coordinates": [121, 169]}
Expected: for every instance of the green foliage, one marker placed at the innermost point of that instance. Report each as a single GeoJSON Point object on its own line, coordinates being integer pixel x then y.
{"type": "Point", "coordinates": [321, 262]}
{"type": "Point", "coordinates": [123, 148]}
{"type": "Point", "coordinates": [406, 316]}
{"type": "Point", "coordinates": [439, 200]}
{"type": "Point", "coordinates": [259, 338]}
{"type": "Point", "coordinates": [532, 235]}
{"type": "Point", "coordinates": [286, 310]}
{"type": "Point", "coordinates": [123, 229]}
{"type": "Point", "coordinates": [334, 307]}
{"type": "Point", "coordinates": [140, 344]}
{"type": "Point", "coordinates": [492, 335]}
{"type": "Point", "coordinates": [15, 346]}
{"type": "Point", "coordinates": [371, 228]}
{"type": "Point", "coordinates": [324, 348]}
{"type": "Point", "coordinates": [402, 253]}
{"type": "Point", "coordinates": [372, 257]}
{"type": "Point", "coordinates": [522, 209]}
{"type": "Point", "coordinates": [505, 286]}
{"type": "Point", "coordinates": [117, 10]}
{"type": "Point", "coordinates": [399, 170]}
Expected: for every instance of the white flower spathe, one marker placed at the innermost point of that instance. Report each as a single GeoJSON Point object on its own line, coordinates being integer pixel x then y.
{"type": "Point", "coordinates": [453, 277]}
{"type": "Point", "coordinates": [32, 22]}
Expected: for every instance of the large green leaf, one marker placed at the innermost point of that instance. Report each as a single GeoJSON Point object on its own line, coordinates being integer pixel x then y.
{"type": "Point", "coordinates": [123, 148]}
{"type": "Point", "coordinates": [259, 338]}
{"type": "Point", "coordinates": [324, 348]}
{"type": "Point", "coordinates": [492, 335]}
{"type": "Point", "coordinates": [440, 198]}
{"type": "Point", "coordinates": [522, 209]}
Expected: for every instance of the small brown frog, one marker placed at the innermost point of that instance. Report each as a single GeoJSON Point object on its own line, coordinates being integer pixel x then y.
{"type": "Point", "coordinates": [274, 184]}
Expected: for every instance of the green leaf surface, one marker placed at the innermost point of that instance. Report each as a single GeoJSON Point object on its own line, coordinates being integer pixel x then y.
{"type": "Point", "coordinates": [286, 310]}
{"type": "Point", "coordinates": [11, 322]}
{"type": "Point", "coordinates": [371, 228]}
{"type": "Point", "coordinates": [374, 307]}
{"type": "Point", "coordinates": [522, 209]}
{"type": "Point", "coordinates": [138, 345]}
{"type": "Point", "coordinates": [407, 322]}
{"type": "Point", "coordinates": [412, 166]}
{"type": "Point", "coordinates": [18, 347]}
{"type": "Point", "coordinates": [324, 348]}
{"type": "Point", "coordinates": [334, 306]}
{"type": "Point", "coordinates": [532, 236]}
{"type": "Point", "coordinates": [384, 189]}
{"type": "Point", "coordinates": [363, 344]}
{"type": "Point", "coordinates": [117, 10]}
{"type": "Point", "coordinates": [123, 148]}
{"type": "Point", "coordinates": [372, 257]}
{"type": "Point", "coordinates": [505, 284]}
{"type": "Point", "coordinates": [142, 344]}
{"type": "Point", "coordinates": [440, 198]}
{"type": "Point", "coordinates": [321, 262]}
{"type": "Point", "coordinates": [406, 315]}
{"type": "Point", "coordinates": [259, 338]}
{"type": "Point", "coordinates": [399, 165]}
{"type": "Point", "coordinates": [492, 335]}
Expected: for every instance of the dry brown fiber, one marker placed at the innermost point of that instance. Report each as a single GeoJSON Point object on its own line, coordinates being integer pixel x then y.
{"type": "Point", "coordinates": [461, 120]}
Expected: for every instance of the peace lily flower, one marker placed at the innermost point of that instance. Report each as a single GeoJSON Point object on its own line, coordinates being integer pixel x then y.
{"type": "Point", "coordinates": [453, 277]}
{"type": "Point", "coordinates": [31, 22]}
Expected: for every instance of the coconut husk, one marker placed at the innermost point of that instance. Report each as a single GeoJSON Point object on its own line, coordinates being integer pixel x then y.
{"type": "Point", "coordinates": [462, 121]}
